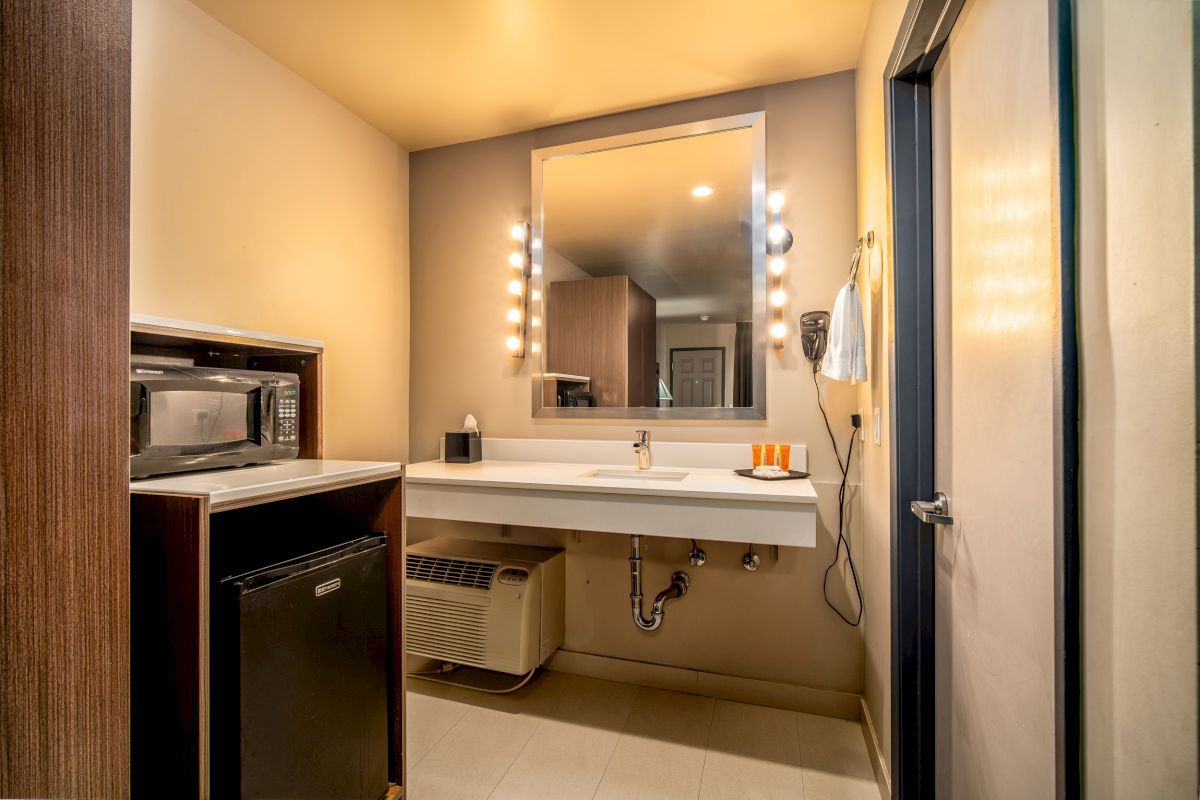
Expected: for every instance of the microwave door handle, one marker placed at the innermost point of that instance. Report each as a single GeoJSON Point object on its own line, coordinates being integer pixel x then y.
{"type": "Point", "coordinates": [265, 421]}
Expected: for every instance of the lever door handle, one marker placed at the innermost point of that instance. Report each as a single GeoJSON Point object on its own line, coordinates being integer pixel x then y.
{"type": "Point", "coordinates": [935, 512]}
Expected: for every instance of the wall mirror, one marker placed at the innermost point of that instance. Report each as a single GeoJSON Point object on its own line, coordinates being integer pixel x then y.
{"type": "Point", "coordinates": [649, 279]}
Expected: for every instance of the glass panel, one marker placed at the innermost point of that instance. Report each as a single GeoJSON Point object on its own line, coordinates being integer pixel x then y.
{"type": "Point", "coordinates": [648, 249]}
{"type": "Point", "coordinates": [191, 417]}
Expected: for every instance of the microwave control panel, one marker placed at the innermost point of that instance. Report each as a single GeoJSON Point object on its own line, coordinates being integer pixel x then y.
{"type": "Point", "coordinates": [288, 396]}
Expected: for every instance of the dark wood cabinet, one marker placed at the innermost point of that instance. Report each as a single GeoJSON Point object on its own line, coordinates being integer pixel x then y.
{"type": "Point", "coordinates": [187, 533]}
{"type": "Point", "coordinates": [604, 329]}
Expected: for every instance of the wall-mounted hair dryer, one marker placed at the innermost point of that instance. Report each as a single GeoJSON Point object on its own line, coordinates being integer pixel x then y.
{"type": "Point", "coordinates": [814, 332]}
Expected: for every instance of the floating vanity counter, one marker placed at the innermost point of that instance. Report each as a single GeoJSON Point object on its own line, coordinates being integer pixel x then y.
{"type": "Point", "coordinates": [689, 493]}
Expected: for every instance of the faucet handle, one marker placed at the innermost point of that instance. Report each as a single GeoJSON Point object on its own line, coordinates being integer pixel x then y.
{"type": "Point", "coordinates": [643, 437]}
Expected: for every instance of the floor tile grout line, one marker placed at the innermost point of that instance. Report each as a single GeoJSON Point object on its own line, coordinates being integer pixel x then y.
{"type": "Point", "coordinates": [562, 698]}
{"type": "Point", "coordinates": [800, 745]}
{"type": "Point", "coordinates": [445, 733]}
{"type": "Point", "coordinates": [624, 724]}
{"type": "Point", "coordinates": [712, 721]}
{"type": "Point", "coordinates": [517, 757]}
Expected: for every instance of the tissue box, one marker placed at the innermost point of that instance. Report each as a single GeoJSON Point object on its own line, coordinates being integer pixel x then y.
{"type": "Point", "coordinates": [463, 447]}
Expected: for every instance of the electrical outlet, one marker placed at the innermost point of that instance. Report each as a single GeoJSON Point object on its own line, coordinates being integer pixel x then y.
{"type": "Point", "coordinates": [878, 434]}
{"type": "Point", "coordinates": [862, 427]}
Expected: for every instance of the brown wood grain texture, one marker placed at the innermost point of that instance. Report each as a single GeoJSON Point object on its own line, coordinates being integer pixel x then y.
{"type": "Point", "coordinates": [64, 318]}
{"type": "Point", "coordinates": [604, 328]}
{"type": "Point", "coordinates": [392, 520]}
{"type": "Point", "coordinates": [169, 540]}
{"type": "Point", "coordinates": [643, 387]}
{"type": "Point", "coordinates": [588, 333]}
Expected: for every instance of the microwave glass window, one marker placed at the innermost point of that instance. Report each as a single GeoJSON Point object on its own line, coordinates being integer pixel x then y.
{"type": "Point", "coordinates": [190, 417]}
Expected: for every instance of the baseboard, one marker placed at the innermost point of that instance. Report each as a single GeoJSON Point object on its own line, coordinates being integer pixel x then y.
{"type": "Point", "coordinates": [882, 778]}
{"type": "Point", "coordinates": [810, 700]}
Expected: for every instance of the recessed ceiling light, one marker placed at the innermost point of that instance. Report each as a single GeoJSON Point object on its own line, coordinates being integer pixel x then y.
{"type": "Point", "coordinates": [704, 317]}
{"type": "Point", "coordinates": [702, 191]}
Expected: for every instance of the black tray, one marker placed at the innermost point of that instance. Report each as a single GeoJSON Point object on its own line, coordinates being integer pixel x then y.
{"type": "Point", "coordinates": [790, 476]}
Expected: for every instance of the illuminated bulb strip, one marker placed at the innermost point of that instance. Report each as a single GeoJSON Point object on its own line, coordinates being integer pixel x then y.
{"type": "Point", "coordinates": [521, 263]}
{"type": "Point", "coordinates": [776, 264]}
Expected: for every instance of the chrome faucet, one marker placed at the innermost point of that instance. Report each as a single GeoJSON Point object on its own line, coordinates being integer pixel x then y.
{"type": "Point", "coordinates": [641, 449]}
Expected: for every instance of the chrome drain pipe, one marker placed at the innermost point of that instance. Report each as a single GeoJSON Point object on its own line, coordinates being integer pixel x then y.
{"type": "Point", "coordinates": [678, 588]}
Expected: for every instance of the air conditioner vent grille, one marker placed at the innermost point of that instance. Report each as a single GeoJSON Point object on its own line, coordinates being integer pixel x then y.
{"type": "Point", "coordinates": [450, 571]}
{"type": "Point", "coordinates": [447, 630]}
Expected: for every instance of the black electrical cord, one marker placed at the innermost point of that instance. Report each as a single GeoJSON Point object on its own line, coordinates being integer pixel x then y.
{"type": "Point", "coordinates": [844, 468]}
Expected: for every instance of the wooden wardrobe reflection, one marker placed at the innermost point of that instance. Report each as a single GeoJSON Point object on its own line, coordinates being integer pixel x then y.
{"type": "Point", "coordinates": [604, 328]}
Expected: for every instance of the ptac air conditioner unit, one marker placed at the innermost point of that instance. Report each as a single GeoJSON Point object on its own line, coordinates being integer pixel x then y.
{"type": "Point", "coordinates": [484, 604]}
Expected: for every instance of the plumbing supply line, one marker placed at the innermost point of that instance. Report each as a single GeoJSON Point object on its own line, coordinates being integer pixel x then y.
{"type": "Point", "coordinates": [678, 588]}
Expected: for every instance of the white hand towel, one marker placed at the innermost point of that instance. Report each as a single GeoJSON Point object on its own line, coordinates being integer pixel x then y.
{"type": "Point", "coordinates": [846, 355]}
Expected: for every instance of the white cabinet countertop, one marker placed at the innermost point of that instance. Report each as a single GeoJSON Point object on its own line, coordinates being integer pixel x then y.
{"type": "Point", "coordinates": [691, 491]}
{"type": "Point", "coordinates": [707, 484]}
{"type": "Point", "coordinates": [227, 488]}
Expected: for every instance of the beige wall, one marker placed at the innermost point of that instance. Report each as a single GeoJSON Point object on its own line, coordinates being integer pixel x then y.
{"type": "Point", "coordinates": [1136, 289]}
{"type": "Point", "coordinates": [772, 624]}
{"type": "Point", "coordinates": [875, 283]}
{"type": "Point", "coordinates": [258, 202]}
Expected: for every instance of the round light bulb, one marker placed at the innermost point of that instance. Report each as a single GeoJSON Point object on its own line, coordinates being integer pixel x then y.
{"type": "Point", "coordinates": [775, 200]}
{"type": "Point", "coordinates": [518, 231]}
{"type": "Point", "coordinates": [778, 330]}
{"type": "Point", "coordinates": [535, 321]}
{"type": "Point", "coordinates": [516, 259]}
{"type": "Point", "coordinates": [512, 343]}
{"type": "Point", "coordinates": [777, 265]}
{"type": "Point", "coordinates": [778, 298]}
{"type": "Point", "coordinates": [536, 295]}
{"type": "Point", "coordinates": [514, 287]}
{"type": "Point", "coordinates": [776, 234]}
{"type": "Point", "coordinates": [702, 191]}
{"type": "Point", "coordinates": [514, 315]}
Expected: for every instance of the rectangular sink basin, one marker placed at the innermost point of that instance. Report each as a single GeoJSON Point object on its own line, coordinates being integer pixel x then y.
{"type": "Point", "coordinates": [636, 474]}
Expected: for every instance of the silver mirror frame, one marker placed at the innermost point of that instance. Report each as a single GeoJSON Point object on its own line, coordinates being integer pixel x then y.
{"type": "Point", "coordinates": [756, 123]}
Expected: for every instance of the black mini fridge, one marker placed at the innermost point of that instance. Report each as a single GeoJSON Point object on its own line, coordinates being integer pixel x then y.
{"type": "Point", "coordinates": [299, 702]}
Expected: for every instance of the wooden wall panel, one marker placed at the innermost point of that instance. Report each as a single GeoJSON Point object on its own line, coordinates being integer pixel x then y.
{"type": "Point", "coordinates": [64, 336]}
{"type": "Point", "coordinates": [604, 328]}
{"type": "Point", "coordinates": [643, 330]}
{"type": "Point", "coordinates": [586, 334]}
{"type": "Point", "coordinates": [169, 642]}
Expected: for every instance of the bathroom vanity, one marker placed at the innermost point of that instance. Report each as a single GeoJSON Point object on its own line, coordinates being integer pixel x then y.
{"type": "Point", "coordinates": [690, 491]}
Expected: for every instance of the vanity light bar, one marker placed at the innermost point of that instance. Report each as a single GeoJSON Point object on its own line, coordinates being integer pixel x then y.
{"type": "Point", "coordinates": [777, 245]}
{"type": "Point", "coordinates": [520, 263]}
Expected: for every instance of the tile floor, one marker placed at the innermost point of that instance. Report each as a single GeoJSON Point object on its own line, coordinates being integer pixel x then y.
{"type": "Point", "coordinates": [565, 737]}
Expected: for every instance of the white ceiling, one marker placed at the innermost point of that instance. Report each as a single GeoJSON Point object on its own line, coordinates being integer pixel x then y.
{"type": "Point", "coordinates": [436, 72]}
{"type": "Point", "coordinates": [630, 211]}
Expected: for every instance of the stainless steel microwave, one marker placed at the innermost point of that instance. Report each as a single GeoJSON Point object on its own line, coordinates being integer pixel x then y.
{"type": "Point", "coordinates": [189, 418]}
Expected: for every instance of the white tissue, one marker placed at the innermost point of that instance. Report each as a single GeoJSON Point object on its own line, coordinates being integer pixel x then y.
{"type": "Point", "coordinates": [470, 425]}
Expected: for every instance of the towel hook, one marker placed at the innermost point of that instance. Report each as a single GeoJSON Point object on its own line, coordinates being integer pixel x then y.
{"type": "Point", "coordinates": [869, 241]}
{"type": "Point", "coordinates": [854, 259]}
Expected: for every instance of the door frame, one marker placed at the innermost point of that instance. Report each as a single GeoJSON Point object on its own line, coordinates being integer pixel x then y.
{"type": "Point", "coordinates": [671, 367]}
{"type": "Point", "coordinates": [920, 41]}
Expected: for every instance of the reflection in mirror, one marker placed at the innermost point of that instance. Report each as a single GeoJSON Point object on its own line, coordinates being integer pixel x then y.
{"type": "Point", "coordinates": [647, 274]}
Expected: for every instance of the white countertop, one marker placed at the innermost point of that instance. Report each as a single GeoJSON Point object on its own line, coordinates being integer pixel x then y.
{"type": "Point", "coordinates": [709, 484]}
{"type": "Point", "coordinates": [545, 483]}
{"type": "Point", "coordinates": [244, 485]}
